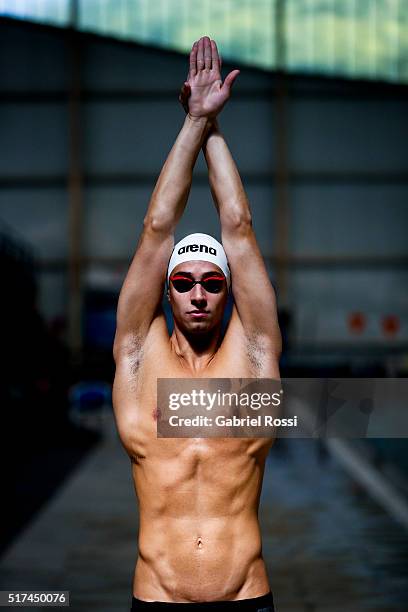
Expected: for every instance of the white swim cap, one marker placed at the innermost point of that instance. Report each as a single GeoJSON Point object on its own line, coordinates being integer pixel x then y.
{"type": "Point", "coordinates": [199, 247]}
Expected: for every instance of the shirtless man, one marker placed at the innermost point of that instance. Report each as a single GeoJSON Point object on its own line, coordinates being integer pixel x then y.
{"type": "Point", "coordinates": [199, 537]}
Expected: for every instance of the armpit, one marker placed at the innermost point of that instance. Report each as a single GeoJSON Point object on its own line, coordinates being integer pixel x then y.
{"type": "Point", "coordinates": [132, 350]}
{"type": "Point", "coordinates": [257, 352]}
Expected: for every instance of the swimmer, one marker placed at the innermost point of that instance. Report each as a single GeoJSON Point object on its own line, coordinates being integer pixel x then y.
{"type": "Point", "coordinates": [199, 538]}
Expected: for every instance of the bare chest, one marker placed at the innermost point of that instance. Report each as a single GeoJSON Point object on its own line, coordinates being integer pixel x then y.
{"type": "Point", "coordinates": [136, 398]}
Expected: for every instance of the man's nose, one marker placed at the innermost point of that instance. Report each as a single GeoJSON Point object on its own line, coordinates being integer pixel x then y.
{"type": "Point", "coordinates": [198, 294]}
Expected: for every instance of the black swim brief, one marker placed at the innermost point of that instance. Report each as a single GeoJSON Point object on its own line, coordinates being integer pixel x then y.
{"type": "Point", "coordinates": [256, 604]}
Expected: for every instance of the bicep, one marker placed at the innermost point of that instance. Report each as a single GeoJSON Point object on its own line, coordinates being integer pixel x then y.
{"type": "Point", "coordinates": [252, 289]}
{"type": "Point", "coordinates": [142, 290]}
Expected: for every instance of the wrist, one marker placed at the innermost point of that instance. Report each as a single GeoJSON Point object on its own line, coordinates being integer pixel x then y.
{"type": "Point", "coordinates": [198, 121]}
{"type": "Point", "coordinates": [211, 131]}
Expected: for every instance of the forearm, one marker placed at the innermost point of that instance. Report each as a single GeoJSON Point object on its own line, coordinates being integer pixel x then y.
{"type": "Point", "coordinates": [225, 182]}
{"type": "Point", "coordinates": [172, 189]}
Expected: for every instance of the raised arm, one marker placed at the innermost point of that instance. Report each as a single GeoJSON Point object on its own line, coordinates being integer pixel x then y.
{"type": "Point", "coordinates": [253, 293]}
{"type": "Point", "coordinates": [140, 298]}
{"type": "Point", "coordinates": [141, 294]}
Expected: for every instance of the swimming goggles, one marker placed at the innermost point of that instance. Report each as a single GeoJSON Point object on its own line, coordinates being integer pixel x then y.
{"type": "Point", "coordinates": [183, 284]}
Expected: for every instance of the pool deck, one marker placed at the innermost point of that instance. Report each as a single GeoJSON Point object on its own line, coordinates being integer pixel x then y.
{"type": "Point", "coordinates": [327, 546]}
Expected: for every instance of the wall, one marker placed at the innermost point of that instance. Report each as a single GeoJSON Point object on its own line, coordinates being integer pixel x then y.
{"type": "Point", "coordinates": [345, 158]}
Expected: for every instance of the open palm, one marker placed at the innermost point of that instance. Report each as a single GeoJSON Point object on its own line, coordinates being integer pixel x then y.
{"type": "Point", "coordinates": [204, 92]}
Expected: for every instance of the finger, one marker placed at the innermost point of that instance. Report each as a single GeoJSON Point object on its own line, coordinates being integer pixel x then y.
{"type": "Point", "coordinates": [193, 61]}
{"type": "Point", "coordinates": [200, 55]}
{"type": "Point", "coordinates": [193, 50]}
{"type": "Point", "coordinates": [229, 80]}
{"type": "Point", "coordinates": [215, 58]}
{"type": "Point", "coordinates": [207, 53]}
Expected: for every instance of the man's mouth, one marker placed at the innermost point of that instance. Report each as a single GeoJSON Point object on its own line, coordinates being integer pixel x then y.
{"type": "Point", "coordinates": [198, 314]}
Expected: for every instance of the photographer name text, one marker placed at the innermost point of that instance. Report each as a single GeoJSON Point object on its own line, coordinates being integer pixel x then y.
{"type": "Point", "coordinates": [234, 421]}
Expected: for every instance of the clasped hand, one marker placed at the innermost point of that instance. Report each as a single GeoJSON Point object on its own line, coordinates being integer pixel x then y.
{"type": "Point", "coordinates": [204, 94]}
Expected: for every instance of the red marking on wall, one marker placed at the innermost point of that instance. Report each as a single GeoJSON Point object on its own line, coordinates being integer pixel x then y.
{"type": "Point", "coordinates": [390, 325]}
{"type": "Point", "coordinates": [357, 322]}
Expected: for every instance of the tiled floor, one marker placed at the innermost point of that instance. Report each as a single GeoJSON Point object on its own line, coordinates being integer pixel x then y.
{"type": "Point", "coordinates": [327, 546]}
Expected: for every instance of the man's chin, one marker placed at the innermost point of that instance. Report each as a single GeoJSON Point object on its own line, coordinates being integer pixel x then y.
{"type": "Point", "coordinates": [202, 327]}
{"type": "Point", "coordinates": [199, 327]}
{"type": "Point", "coordinates": [206, 326]}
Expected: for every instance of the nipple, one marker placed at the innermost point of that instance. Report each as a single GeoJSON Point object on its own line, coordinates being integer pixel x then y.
{"type": "Point", "coordinates": [156, 414]}
{"type": "Point", "coordinates": [199, 542]}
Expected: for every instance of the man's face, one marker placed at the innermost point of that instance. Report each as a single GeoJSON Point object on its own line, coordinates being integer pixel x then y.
{"type": "Point", "coordinates": [197, 311]}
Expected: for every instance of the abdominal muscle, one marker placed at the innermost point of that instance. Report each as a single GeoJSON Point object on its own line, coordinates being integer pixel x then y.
{"type": "Point", "coordinates": [199, 537]}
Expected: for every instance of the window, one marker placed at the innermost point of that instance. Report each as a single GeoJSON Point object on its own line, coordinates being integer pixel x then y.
{"type": "Point", "coordinates": [352, 38]}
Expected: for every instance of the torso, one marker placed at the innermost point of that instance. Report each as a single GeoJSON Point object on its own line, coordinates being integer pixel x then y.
{"type": "Point", "coordinates": [199, 537]}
